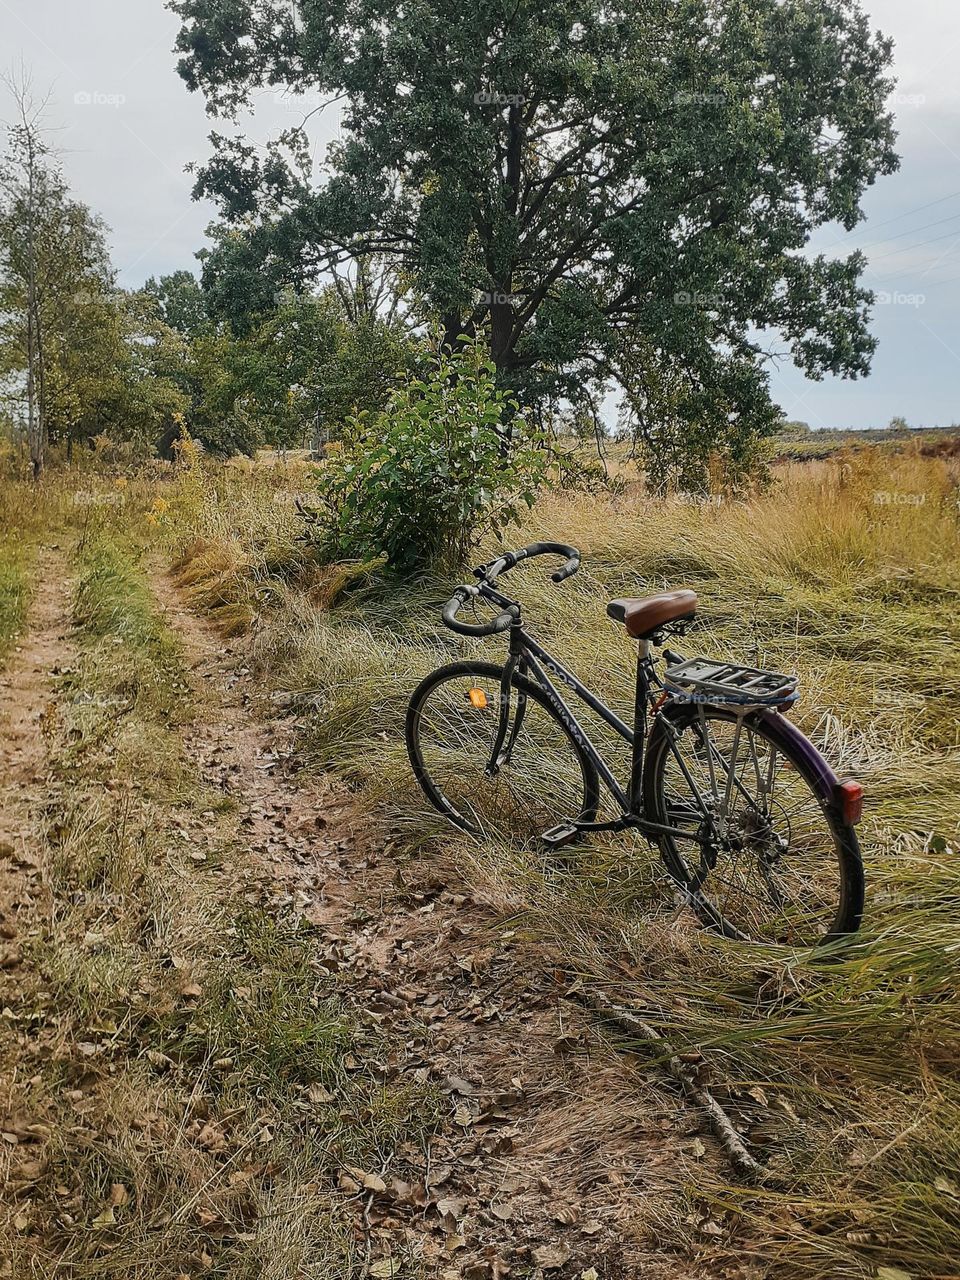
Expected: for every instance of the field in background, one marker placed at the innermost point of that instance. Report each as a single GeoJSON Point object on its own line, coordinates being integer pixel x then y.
{"type": "Point", "coordinates": [795, 442]}
{"type": "Point", "coordinates": [798, 442]}
{"type": "Point", "coordinates": [847, 571]}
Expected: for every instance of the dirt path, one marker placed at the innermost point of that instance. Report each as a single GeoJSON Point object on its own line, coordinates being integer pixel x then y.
{"type": "Point", "coordinates": [27, 688]}
{"type": "Point", "coordinates": [560, 1161]}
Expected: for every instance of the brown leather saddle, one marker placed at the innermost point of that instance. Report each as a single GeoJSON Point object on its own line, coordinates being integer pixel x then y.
{"type": "Point", "coordinates": [643, 617]}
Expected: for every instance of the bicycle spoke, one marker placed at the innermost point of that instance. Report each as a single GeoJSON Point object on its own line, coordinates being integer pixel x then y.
{"type": "Point", "coordinates": [768, 868]}
{"type": "Point", "coordinates": [539, 780]}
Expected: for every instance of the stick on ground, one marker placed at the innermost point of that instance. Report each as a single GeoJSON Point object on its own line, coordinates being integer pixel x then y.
{"type": "Point", "coordinates": [720, 1123]}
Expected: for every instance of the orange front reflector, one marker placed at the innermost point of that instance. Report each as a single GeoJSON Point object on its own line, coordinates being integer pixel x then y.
{"type": "Point", "coordinates": [478, 698]}
{"type": "Point", "coordinates": [850, 800]}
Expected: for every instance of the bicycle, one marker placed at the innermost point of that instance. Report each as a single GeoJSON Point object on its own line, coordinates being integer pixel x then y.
{"type": "Point", "coordinates": [752, 824]}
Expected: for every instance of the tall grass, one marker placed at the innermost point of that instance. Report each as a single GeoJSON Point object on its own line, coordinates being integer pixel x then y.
{"type": "Point", "coordinates": [847, 572]}
{"type": "Point", "coordinates": [13, 595]}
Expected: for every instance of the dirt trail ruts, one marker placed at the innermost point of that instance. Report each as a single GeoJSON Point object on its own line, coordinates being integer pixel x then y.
{"type": "Point", "coordinates": [550, 1146]}
{"type": "Point", "coordinates": [27, 688]}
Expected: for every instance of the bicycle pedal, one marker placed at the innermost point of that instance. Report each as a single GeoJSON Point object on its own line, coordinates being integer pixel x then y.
{"type": "Point", "coordinates": [563, 833]}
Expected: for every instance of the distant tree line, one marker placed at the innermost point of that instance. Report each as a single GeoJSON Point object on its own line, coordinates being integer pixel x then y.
{"type": "Point", "coordinates": [81, 358]}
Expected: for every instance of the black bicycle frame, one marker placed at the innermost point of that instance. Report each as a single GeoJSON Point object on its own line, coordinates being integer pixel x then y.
{"type": "Point", "coordinates": [528, 654]}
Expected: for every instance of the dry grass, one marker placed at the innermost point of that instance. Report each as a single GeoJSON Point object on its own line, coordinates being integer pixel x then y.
{"type": "Point", "coordinates": [168, 1028]}
{"type": "Point", "coordinates": [848, 572]}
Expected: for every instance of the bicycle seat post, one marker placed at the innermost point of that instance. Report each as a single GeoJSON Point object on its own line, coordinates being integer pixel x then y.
{"type": "Point", "coordinates": [639, 726]}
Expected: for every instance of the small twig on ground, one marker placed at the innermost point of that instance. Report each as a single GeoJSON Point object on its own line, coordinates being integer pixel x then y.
{"type": "Point", "coordinates": [720, 1123]}
{"type": "Point", "coordinates": [367, 1238]}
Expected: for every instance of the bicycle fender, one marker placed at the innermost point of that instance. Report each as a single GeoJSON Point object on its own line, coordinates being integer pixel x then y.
{"type": "Point", "coordinates": [785, 734]}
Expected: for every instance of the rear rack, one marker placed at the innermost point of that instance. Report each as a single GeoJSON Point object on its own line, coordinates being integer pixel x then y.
{"type": "Point", "coordinates": [725, 684]}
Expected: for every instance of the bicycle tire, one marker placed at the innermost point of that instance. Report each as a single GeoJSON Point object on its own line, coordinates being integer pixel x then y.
{"type": "Point", "coordinates": [783, 738]}
{"type": "Point", "coordinates": [583, 792]}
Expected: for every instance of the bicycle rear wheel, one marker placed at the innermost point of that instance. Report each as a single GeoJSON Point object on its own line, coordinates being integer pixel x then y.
{"type": "Point", "coordinates": [543, 776]}
{"type": "Point", "coordinates": [774, 862]}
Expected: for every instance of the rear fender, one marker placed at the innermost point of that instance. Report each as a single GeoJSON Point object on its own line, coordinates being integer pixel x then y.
{"type": "Point", "coordinates": [835, 796]}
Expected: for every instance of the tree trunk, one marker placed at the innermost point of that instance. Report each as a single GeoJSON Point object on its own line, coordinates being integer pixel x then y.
{"type": "Point", "coordinates": [35, 404]}
{"type": "Point", "coordinates": [454, 327]}
{"type": "Point", "coordinates": [34, 411]}
{"type": "Point", "coordinates": [501, 326]}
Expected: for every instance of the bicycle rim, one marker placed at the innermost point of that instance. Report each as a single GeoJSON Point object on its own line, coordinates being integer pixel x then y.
{"type": "Point", "coordinates": [776, 866]}
{"type": "Point", "coordinates": [544, 777]}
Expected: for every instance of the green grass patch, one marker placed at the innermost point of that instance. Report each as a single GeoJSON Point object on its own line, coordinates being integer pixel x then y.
{"type": "Point", "coordinates": [14, 594]}
{"type": "Point", "coordinates": [114, 606]}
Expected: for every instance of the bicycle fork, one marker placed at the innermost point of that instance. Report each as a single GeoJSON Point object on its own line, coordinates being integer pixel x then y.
{"type": "Point", "coordinates": [507, 732]}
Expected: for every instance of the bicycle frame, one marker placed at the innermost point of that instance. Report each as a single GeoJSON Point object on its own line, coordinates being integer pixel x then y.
{"type": "Point", "coordinates": [691, 696]}
{"type": "Point", "coordinates": [527, 655]}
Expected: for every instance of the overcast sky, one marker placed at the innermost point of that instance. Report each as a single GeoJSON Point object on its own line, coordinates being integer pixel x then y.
{"type": "Point", "coordinates": [127, 128]}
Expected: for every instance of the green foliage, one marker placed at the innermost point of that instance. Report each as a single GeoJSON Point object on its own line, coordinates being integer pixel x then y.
{"type": "Point", "coordinates": [78, 357]}
{"type": "Point", "coordinates": [116, 374]}
{"type": "Point", "coordinates": [285, 377]}
{"type": "Point", "coordinates": [240, 286]}
{"type": "Point", "coordinates": [623, 196]}
{"type": "Point", "coordinates": [423, 481]}
{"type": "Point", "coordinates": [181, 301]}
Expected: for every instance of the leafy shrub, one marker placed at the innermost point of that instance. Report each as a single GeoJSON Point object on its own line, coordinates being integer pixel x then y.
{"type": "Point", "coordinates": [448, 460]}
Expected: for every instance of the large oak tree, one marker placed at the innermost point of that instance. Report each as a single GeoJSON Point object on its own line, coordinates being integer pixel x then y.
{"type": "Point", "coordinates": [620, 192]}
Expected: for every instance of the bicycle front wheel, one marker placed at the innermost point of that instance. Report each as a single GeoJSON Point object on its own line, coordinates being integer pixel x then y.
{"type": "Point", "coordinates": [542, 775]}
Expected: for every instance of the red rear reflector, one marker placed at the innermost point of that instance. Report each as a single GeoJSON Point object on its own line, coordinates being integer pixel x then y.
{"type": "Point", "coordinates": [850, 801]}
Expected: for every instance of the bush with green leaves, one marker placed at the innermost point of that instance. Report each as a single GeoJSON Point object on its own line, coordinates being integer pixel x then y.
{"type": "Point", "coordinates": [449, 460]}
